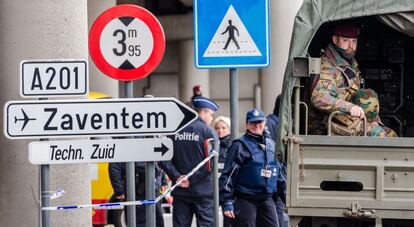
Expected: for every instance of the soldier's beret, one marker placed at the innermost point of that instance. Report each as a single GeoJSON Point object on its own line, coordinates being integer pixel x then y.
{"type": "Point", "coordinates": [346, 29]}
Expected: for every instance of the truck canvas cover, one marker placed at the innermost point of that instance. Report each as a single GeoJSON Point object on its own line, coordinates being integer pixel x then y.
{"type": "Point", "coordinates": [398, 14]}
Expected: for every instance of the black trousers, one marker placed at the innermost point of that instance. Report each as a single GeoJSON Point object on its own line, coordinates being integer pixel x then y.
{"type": "Point", "coordinates": [255, 213]}
{"type": "Point", "coordinates": [185, 207]}
{"type": "Point", "coordinates": [141, 212]}
{"type": "Point", "coordinates": [226, 221]}
{"type": "Point", "coordinates": [115, 216]}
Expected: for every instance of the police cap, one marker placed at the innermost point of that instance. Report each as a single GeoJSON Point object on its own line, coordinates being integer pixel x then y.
{"type": "Point", "coordinates": [203, 102]}
{"type": "Point", "coordinates": [255, 115]}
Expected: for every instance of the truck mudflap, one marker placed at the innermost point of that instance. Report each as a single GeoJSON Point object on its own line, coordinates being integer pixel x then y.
{"type": "Point", "coordinates": [343, 176]}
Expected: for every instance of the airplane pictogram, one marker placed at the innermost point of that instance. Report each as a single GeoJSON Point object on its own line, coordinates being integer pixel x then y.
{"type": "Point", "coordinates": [25, 119]}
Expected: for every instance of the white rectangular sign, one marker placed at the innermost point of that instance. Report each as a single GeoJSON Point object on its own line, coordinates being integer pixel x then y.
{"type": "Point", "coordinates": [53, 78]}
{"type": "Point", "coordinates": [109, 117]}
{"type": "Point", "coordinates": [92, 151]}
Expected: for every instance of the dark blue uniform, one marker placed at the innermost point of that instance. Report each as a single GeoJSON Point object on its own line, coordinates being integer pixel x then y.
{"type": "Point", "coordinates": [272, 124]}
{"type": "Point", "coordinates": [250, 179]}
{"type": "Point", "coordinates": [225, 143]}
{"type": "Point", "coordinates": [189, 150]}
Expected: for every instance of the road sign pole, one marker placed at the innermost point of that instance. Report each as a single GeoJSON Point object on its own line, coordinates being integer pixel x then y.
{"type": "Point", "coordinates": [234, 103]}
{"type": "Point", "coordinates": [45, 189]}
{"type": "Point", "coordinates": [150, 193]}
{"type": "Point", "coordinates": [216, 185]}
{"type": "Point", "coordinates": [130, 169]}
{"type": "Point", "coordinates": [150, 216]}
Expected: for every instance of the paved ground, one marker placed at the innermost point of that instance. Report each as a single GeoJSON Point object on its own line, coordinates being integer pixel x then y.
{"type": "Point", "coordinates": [168, 220]}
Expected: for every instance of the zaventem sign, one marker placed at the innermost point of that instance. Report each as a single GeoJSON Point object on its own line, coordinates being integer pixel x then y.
{"type": "Point", "coordinates": [115, 117]}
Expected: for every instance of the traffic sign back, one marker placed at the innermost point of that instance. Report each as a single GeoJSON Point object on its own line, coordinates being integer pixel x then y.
{"type": "Point", "coordinates": [231, 33]}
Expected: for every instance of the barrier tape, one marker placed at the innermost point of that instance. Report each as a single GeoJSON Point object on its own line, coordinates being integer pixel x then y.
{"type": "Point", "coordinates": [120, 205]}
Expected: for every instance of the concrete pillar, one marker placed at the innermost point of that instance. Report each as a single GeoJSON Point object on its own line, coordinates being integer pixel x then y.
{"type": "Point", "coordinates": [99, 81]}
{"type": "Point", "coordinates": [38, 29]}
{"type": "Point", "coordinates": [189, 75]}
{"type": "Point", "coordinates": [282, 15]}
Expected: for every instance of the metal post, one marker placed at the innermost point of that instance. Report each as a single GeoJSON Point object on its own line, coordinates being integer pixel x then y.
{"type": "Point", "coordinates": [150, 217]}
{"type": "Point", "coordinates": [130, 170]}
{"type": "Point", "coordinates": [234, 104]}
{"type": "Point", "coordinates": [216, 185]}
{"type": "Point", "coordinates": [44, 192]}
{"type": "Point", "coordinates": [150, 193]}
{"type": "Point", "coordinates": [39, 191]}
{"type": "Point", "coordinates": [297, 105]}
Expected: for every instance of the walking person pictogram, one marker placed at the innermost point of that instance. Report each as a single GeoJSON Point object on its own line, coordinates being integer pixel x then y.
{"type": "Point", "coordinates": [231, 29]}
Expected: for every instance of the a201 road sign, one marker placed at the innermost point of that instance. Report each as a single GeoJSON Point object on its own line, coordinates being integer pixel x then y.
{"type": "Point", "coordinates": [91, 151]}
{"type": "Point", "coordinates": [115, 117]}
{"type": "Point", "coordinates": [53, 78]}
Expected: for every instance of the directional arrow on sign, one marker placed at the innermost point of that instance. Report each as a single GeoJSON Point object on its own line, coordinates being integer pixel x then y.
{"type": "Point", "coordinates": [115, 117]}
{"type": "Point", "coordinates": [163, 149]}
{"type": "Point", "coordinates": [92, 151]}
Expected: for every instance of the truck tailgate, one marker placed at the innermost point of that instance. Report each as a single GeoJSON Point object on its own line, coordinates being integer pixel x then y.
{"type": "Point", "coordinates": [336, 176]}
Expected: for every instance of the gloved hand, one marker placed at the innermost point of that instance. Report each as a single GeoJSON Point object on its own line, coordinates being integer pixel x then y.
{"type": "Point", "coordinates": [228, 207]}
{"type": "Point", "coordinates": [228, 210]}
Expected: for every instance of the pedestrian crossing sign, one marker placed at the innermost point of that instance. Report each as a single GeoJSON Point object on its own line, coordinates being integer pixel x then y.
{"type": "Point", "coordinates": [231, 34]}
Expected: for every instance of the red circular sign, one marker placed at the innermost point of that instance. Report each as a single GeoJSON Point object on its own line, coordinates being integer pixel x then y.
{"type": "Point", "coordinates": [126, 42]}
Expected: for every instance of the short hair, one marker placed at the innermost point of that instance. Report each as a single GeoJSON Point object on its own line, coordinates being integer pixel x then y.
{"type": "Point", "coordinates": [224, 119]}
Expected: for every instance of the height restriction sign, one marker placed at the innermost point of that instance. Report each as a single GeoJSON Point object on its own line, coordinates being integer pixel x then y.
{"type": "Point", "coordinates": [126, 42]}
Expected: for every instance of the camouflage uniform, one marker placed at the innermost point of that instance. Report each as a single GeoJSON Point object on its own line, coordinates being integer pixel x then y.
{"type": "Point", "coordinates": [368, 100]}
{"type": "Point", "coordinates": [336, 89]}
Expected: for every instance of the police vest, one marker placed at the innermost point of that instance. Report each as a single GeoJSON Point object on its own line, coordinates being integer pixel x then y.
{"type": "Point", "coordinates": [252, 177]}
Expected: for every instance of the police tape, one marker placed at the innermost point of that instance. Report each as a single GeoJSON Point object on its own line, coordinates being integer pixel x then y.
{"type": "Point", "coordinates": [120, 205]}
{"type": "Point", "coordinates": [187, 176]}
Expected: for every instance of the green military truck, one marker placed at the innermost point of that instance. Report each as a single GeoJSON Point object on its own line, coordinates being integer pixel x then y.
{"type": "Point", "coordinates": [351, 180]}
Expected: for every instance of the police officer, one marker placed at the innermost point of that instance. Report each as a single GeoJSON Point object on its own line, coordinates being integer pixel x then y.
{"type": "Point", "coordinates": [194, 195]}
{"type": "Point", "coordinates": [251, 177]}
{"type": "Point", "coordinates": [338, 84]}
{"type": "Point", "coordinates": [272, 120]}
{"type": "Point", "coordinates": [117, 176]}
{"type": "Point", "coordinates": [272, 125]}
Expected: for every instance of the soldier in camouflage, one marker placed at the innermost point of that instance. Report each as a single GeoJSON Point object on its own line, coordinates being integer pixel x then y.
{"type": "Point", "coordinates": [338, 88]}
